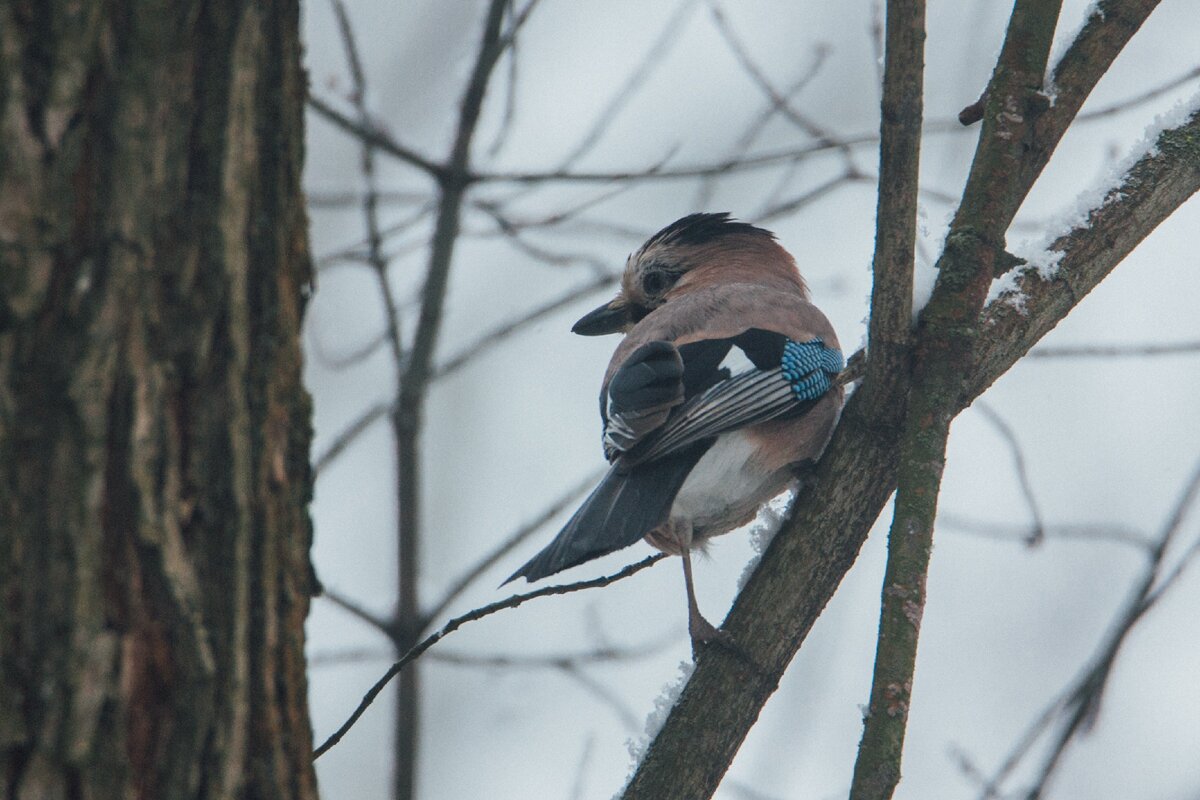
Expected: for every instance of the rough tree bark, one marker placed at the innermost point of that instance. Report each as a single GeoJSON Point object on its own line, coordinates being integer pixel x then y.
{"type": "Point", "coordinates": [154, 432]}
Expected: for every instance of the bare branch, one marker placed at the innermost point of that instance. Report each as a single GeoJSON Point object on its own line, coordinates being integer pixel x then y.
{"type": "Point", "coordinates": [585, 758]}
{"type": "Point", "coordinates": [508, 224]}
{"type": "Point", "coordinates": [778, 101]}
{"type": "Point", "coordinates": [1038, 531]}
{"type": "Point", "coordinates": [789, 207]}
{"type": "Point", "coordinates": [355, 356]}
{"type": "Point", "coordinates": [360, 249]}
{"type": "Point", "coordinates": [413, 374]}
{"type": "Point", "coordinates": [471, 616]}
{"type": "Point", "coordinates": [745, 791]}
{"type": "Point", "coordinates": [321, 198]}
{"type": "Point", "coordinates": [356, 656]}
{"type": "Point", "coordinates": [1149, 192]}
{"type": "Point", "coordinates": [381, 624]}
{"type": "Point", "coordinates": [510, 93]}
{"type": "Point", "coordinates": [375, 257]}
{"type": "Point", "coordinates": [373, 135]}
{"type": "Point", "coordinates": [1115, 350]}
{"type": "Point", "coordinates": [1147, 96]}
{"type": "Point", "coordinates": [743, 163]}
{"type": "Point", "coordinates": [877, 768]}
{"type": "Point", "coordinates": [1081, 700]}
{"type": "Point", "coordinates": [659, 172]}
{"type": "Point", "coordinates": [597, 655]}
{"type": "Point", "coordinates": [1081, 531]}
{"type": "Point", "coordinates": [658, 50]}
{"type": "Point", "coordinates": [605, 695]}
{"type": "Point", "coordinates": [513, 326]}
{"type": "Point", "coordinates": [350, 434]}
{"type": "Point", "coordinates": [507, 546]}
{"type": "Point", "coordinates": [514, 236]}
{"type": "Point", "coordinates": [758, 125]}
{"type": "Point", "coordinates": [1097, 45]}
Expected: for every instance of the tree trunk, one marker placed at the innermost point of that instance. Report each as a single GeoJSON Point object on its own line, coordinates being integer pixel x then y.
{"type": "Point", "coordinates": [154, 432]}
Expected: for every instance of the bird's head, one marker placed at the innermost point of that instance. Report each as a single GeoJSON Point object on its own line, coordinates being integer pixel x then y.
{"type": "Point", "coordinates": [695, 252]}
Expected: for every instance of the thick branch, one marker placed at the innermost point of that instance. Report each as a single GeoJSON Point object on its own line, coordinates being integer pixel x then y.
{"type": "Point", "coordinates": [896, 211]}
{"type": "Point", "coordinates": [1103, 36]}
{"type": "Point", "coordinates": [877, 769]}
{"type": "Point", "coordinates": [1150, 192]}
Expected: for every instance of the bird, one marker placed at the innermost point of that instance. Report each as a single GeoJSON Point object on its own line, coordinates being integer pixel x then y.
{"type": "Point", "coordinates": [723, 387]}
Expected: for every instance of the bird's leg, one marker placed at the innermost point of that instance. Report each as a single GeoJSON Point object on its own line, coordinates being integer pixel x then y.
{"type": "Point", "coordinates": [700, 629]}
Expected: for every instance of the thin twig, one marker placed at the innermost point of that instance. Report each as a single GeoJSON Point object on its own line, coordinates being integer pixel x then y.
{"type": "Point", "coordinates": [329, 198]}
{"type": "Point", "coordinates": [510, 95]}
{"type": "Point", "coordinates": [659, 49]}
{"type": "Point", "coordinates": [1139, 99]}
{"type": "Point", "coordinates": [1115, 351]}
{"type": "Point", "coordinates": [744, 163]}
{"type": "Point", "coordinates": [585, 758]}
{"type": "Point", "coordinates": [1083, 699]}
{"type": "Point", "coordinates": [356, 656]}
{"type": "Point", "coordinates": [375, 257]}
{"type": "Point", "coordinates": [381, 624]}
{"type": "Point", "coordinates": [791, 206]}
{"type": "Point", "coordinates": [360, 250]}
{"type": "Point", "coordinates": [1038, 531]}
{"type": "Point", "coordinates": [347, 437]}
{"type": "Point", "coordinates": [755, 128]}
{"type": "Point", "coordinates": [776, 98]}
{"type": "Point", "coordinates": [514, 540]}
{"type": "Point", "coordinates": [371, 133]}
{"type": "Point", "coordinates": [355, 356]}
{"type": "Point", "coordinates": [458, 622]}
{"type": "Point", "coordinates": [605, 695]}
{"type": "Point", "coordinates": [502, 332]}
{"type": "Point", "coordinates": [1080, 531]}
{"type": "Point", "coordinates": [597, 655]}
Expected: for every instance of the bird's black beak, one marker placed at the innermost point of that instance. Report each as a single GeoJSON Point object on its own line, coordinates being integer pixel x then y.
{"type": "Point", "coordinates": [612, 317]}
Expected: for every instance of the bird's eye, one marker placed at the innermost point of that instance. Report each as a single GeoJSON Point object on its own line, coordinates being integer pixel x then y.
{"type": "Point", "coordinates": [655, 282]}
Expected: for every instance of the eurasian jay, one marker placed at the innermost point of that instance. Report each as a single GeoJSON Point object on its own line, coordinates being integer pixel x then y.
{"type": "Point", "coordinates": [698, 442]}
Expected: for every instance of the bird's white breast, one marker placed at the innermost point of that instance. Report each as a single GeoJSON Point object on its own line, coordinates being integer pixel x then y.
{"type": "Point", "coordinates": [725, 488]}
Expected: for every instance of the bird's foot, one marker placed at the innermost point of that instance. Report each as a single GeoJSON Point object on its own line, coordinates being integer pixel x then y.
{"type": "Point", "coordinates": [704, 633]}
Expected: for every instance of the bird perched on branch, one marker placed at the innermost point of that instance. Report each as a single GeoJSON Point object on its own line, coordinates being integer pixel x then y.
{"type": "Point", "coordinates": [723, 384]}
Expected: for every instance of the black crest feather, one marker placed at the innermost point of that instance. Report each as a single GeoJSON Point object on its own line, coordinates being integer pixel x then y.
{"type": "Point", "coordinates": [696, 229]}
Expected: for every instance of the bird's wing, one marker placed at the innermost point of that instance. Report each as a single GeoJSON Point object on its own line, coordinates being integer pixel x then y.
{"type": "Point", "coordinates": [641, 394]}
{"type": "Point", "coordinates": [784, 378]}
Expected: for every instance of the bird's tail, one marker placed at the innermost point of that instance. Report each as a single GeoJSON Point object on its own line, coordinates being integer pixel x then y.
{"type": "Point", "coordinates": [620, 511]}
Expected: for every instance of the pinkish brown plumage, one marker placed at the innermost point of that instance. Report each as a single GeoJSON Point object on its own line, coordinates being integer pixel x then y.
{"type": "Point", "coordinates": [697, 446]}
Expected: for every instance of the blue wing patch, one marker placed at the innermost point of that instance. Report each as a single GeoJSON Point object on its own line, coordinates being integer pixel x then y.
{"type": "Point", "coordinates": [809, 368]}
